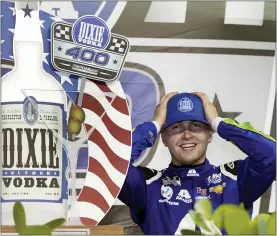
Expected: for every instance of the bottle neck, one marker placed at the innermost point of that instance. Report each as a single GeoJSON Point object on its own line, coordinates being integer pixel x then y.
{"type": "Point", "coordinates": [28, 56]}
{"type": "Point", "coordinates": [28, 44]}
{"type": "Point", "coordinates": [27, 28]}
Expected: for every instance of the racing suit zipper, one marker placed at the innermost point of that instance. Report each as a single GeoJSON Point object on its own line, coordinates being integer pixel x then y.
{"type": "Point", "coordinates": [193, 199]}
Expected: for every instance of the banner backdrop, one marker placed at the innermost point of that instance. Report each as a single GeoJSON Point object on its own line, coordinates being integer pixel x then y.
{"type": "Point", "coordinates": [178, 46]}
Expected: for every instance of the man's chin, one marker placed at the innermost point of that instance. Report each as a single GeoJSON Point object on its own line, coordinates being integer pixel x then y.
{"type": "Point", "coordinates": [191, 160]}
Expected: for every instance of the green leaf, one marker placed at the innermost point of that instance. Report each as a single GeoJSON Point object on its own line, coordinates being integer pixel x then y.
{"type": "Point", "coordinates": [55, 223]}
{"type": "Point", "coordinates": [236, 220]}
{"type": "Point", "coordinates": [249, 229]}
{"type": "Point", "coordinates": [271, 224]}
{"type": "Point", "coordinates": [192, 214]}
{"type": "Point", "coordinates": [262, 216]}
{"type": "Point", "coordinates": [190, 232]}
{"type": "Point", "coordinates": [36, 230]}
{"type": "Point", "coordinates": [262, 227]}
{"type": "Point", "coordinates": [241, 205]}
{"type": "Point", "coordinates": [19, 217]}
{"type": "Point", "coordinates": [230, 217]}
{"type": "Point", "coordinates": [260, 223]}
{"type": "Point", "coordinates": [199, 220]}
{"type": "Point", "coordinates": [204, 207]}
{"type": "Point", "coordinates": [218, 217]}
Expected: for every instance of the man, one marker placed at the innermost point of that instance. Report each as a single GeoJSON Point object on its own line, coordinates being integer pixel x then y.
{"type": "Point", "coordinates": [159, 200]}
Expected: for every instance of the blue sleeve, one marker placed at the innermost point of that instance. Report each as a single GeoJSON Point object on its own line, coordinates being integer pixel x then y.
{"type": "Point", "coordinates": [257, 172]}
{"type": "Point", "coordinates": [134, 190]}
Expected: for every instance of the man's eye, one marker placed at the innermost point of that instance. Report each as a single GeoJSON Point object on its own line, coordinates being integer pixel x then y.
{"type": "Point", "coordinates": [175, 127]}
{"type": "Point", "coordinates": [196, 125]}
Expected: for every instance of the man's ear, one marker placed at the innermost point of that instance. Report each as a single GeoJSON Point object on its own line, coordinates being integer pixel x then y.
{"type": "Point", "coordinates": [163, 136]}
{"type": "Point", "coordinates": [210, 136]}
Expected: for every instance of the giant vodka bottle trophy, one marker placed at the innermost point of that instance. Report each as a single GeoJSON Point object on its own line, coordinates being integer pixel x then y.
{"type": "Point", "coordinates": [33, 160]}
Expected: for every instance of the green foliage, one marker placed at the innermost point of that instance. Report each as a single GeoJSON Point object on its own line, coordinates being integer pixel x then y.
{"type": "Point", "coordinates": [199, 219]}
{"type": "Point", "coordinates": [55, 223]}
{"type": "Point", "coordinates": [204, 207]}
{"type": "Point", "coordinates": [23, 229]}
{"type": "Point", "coordinates": [19, 217]}
{"type": "Point", "coordinates": [36, 230]}
{"type": "Point", "coordinates": [231, 216]}
{"type": "Point", "coordinates": [190, 232]}
{"type": "Point", "coordinates": [272, 224]}
{"type": "Point", "coordinates": [235, 220]}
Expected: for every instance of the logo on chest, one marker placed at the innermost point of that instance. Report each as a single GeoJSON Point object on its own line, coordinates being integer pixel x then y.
{"type": "Point", "coordinates": [218, 189]}
{"type": "Point", "coordinates": [192, 172]}
{"type": "Point", "coordinates": [214, 179]}
{"type": "Point", "coordinates": [176, 181]}
{"type": "Point", "coordinates": [201, 193]}
{"type": "Point", "coordinates": [167, 193]}
{"type": "Point", "coordinates": [184, 196]}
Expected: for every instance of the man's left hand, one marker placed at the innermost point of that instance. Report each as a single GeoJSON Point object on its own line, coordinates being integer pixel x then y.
{"type": "Point", "coordinates": [209, 108]}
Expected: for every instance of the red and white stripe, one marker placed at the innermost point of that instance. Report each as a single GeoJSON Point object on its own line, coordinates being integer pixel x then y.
{"type": "Point", "coordinates": [109, 150]}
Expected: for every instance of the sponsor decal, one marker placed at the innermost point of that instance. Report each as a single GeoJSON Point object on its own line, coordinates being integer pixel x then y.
{"type": "Point", "coordinates": [152, 139]}
{"type": "Point", "coordinates": [185, 104]}
{"type": "Point", "coordinates": [184, 196]}
{"type": "Point", "coordinates": [169, 202]}
{"type": "Point", "coordinates": [214, 179]}
{"type": "Point", "coordinates": [203, 197]}
{"type": "Point", "coordinates": [176, 181]}
{"type": "Point", "coordinates": [167, 193]}
{"type": "Point", "coordinates": [231, 165]}
{"type": "Point", "coordinates": [218, 189]}
{"type": "Point", "coordinates": [203, 193]}
{"type": "Point", "coordinates": [192, 172]}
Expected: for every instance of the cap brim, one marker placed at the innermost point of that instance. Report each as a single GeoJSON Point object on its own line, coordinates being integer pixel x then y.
{"type": "Point", "coordinates": [185, 118]}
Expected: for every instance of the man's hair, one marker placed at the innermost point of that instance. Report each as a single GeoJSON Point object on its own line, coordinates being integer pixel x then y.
{"type": "Point", "coordinates": [210, 128]}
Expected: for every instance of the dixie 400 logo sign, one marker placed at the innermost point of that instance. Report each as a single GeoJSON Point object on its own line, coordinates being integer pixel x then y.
{"type": "Point", "coordinates": [88, 48]}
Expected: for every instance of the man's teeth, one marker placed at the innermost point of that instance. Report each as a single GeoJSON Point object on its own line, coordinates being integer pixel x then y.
{"type": "Point", "coordinates": [188, 145]}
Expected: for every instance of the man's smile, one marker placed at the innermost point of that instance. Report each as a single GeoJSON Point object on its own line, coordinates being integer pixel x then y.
{"type": "Point", "coordinates": [188, 146]}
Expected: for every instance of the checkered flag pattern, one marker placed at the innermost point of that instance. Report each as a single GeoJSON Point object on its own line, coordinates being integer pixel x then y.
{"type": "Point", "coordinates": [63, 32]}
{"type": "Point", "coordinates": [118, 45]}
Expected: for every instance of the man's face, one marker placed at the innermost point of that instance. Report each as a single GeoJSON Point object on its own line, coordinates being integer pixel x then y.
{"type": "Point", "coordinates": [187, 142]}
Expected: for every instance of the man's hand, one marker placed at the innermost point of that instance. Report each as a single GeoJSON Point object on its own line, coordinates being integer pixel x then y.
{"type": "Point", "coordinates": [161, 109]}
{"type": "Point", "coordinates": [209, 108]}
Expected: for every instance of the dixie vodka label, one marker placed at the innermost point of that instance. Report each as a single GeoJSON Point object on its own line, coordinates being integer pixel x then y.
{"type": "Point", "coordinates": [33, 159]}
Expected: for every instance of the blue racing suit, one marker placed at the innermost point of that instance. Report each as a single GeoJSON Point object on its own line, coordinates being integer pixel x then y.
{"type": "Point", "coordinates": [160, 200]}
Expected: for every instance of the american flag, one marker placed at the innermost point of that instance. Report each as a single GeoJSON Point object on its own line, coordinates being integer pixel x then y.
{"type": "Point", "coordinates": [104, 159]}
{"type": "Point", "coordinates": [109, 148]}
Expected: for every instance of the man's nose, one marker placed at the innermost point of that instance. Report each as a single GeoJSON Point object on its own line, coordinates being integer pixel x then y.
{"type": "Point", "coordinates": [186, 134]}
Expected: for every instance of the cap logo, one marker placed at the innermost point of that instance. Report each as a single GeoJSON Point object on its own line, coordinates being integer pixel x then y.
{"type": "Point", "coordinates": [185, 105]}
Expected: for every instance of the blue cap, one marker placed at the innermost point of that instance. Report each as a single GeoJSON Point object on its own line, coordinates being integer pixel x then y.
{"type": "Point", "coordinates": [182, 107]}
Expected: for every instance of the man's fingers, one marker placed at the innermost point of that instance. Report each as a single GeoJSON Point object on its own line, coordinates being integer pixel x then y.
{"type": "Point", "coordinates": [203, 96]}
{"type": "Point", "coordinates": [167, 97]}
{"type": "Point", "coordinates": [163, 97]}
{"type": "Point", "coordinates": [200, 94]}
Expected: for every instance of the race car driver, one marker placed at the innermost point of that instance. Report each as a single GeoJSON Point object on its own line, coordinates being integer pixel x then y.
{"type": "Point", "coordinates": [160, 200]}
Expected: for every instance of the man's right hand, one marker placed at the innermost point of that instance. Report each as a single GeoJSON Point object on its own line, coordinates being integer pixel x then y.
{"type": "Point", "coordinates": [161, 109]}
